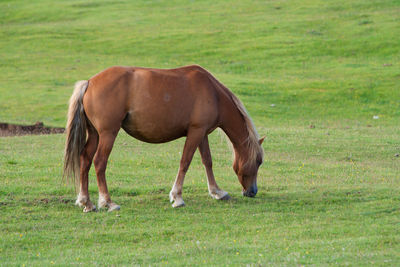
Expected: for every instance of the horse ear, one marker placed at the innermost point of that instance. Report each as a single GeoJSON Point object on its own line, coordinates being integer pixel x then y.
{"type": "Point", "coordinates": [261, 140]}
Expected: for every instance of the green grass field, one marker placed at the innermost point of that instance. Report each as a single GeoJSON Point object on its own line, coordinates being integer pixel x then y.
{"type": "Point", "coordinates": [312, 75]}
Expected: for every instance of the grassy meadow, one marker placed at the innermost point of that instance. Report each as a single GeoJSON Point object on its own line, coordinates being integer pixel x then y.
{"type": "Point", "coordinates": [312, 74]}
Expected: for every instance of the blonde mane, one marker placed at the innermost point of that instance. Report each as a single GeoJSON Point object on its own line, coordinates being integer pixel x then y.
{"type": "Point", "coordinates": [253, 139]}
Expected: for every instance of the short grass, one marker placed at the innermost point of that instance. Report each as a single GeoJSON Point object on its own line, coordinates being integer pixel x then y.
{"type": "Point", "coordinates": [312, 75]}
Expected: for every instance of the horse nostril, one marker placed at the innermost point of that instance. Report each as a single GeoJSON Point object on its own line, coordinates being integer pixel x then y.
{"type": "Point", "coordinates": [252, 192]}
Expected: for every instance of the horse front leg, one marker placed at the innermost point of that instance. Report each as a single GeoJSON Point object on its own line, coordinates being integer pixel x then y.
{"type": "Point", "coordinates": [213, 187]}
{"type": "Point", "coordinates": [193, 140]}
{"type": "Point", "coordinates": [106, 142]}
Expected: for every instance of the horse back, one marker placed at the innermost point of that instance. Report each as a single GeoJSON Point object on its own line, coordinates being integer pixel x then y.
{"type": "Point", "coordinates": [153, 105]}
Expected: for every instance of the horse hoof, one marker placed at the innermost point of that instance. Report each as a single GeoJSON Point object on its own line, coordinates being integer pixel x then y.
{"type": "Point", "coordinates": [113, 207]}
{"type": "Point", "coordinates": [89, 209]}
{"type": "Point", "coordinates": [226, 197]}
{"type": "Point", "coordinates": [220, 195]}
{"type": "Point", "coordinates": [82, 201]}
{"type": "Point", "coordinates": [178, 203]}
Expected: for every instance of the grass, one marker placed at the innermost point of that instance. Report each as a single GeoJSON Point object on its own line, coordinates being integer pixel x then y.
{"type": "Point", "coordinates": [314, 207]}
{"type": "Point", "coordinates": [328, 190]}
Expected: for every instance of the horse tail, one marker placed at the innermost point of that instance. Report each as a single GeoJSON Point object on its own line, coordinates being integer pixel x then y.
{"type": "Point", "coordinates": [76, 132]}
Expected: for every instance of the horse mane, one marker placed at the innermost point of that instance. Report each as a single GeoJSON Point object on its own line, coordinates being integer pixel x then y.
{"type": "Point", "coordinates": [252, 140]}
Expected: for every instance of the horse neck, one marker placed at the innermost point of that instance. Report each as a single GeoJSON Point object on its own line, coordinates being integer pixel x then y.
{"type": "Point", "coordinates": [234, 125]}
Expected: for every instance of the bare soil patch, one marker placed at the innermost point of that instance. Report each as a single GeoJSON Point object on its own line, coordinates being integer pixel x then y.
{"type": "Point", "coordinates": [7, 129]}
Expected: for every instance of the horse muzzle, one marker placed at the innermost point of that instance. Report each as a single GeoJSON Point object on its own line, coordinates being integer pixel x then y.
{"type": "Point", "coordinates": [251, 192]}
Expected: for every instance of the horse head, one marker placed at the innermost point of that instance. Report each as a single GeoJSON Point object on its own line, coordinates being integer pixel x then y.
{"type": "Point", "coordinates": [246, 167]}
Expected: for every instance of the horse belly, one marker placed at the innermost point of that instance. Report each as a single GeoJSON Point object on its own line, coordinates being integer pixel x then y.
{"type": "Point", "coordinates": [155, 127]}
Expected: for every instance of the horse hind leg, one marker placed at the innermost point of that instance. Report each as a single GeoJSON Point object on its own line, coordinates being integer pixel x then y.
{"type": "Point", "coordinates": [86, 158]}
{"type": "Point", "coordinates": [213, 187]}
{"type": "Point", "coordinates": [106, 142]}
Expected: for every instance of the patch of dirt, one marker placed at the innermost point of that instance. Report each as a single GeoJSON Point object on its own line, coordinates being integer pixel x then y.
{"type": "Point", "coordinates": [7, 129]}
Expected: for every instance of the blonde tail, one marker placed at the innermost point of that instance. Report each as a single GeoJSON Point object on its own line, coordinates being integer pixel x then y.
{"type": "Point", "coordinates": [76, 132]}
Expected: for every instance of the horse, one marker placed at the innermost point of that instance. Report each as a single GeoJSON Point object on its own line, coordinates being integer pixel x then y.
{"type": "Point", "coordinates": [157, 106]}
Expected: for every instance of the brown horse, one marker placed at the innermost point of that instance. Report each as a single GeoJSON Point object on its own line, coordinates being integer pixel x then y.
{"type": "Point", "coordinates": [157, 106]}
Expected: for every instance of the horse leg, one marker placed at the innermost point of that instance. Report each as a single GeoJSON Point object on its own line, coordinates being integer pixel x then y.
{"type": "Point", "coordinates": [193, 140]}
{"type": "Point", "coordinates": [86, 158]}
{"type": "Point", "coordinates": [213, 188]}
{"type": "Point", "coordinates": [106, 142]}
